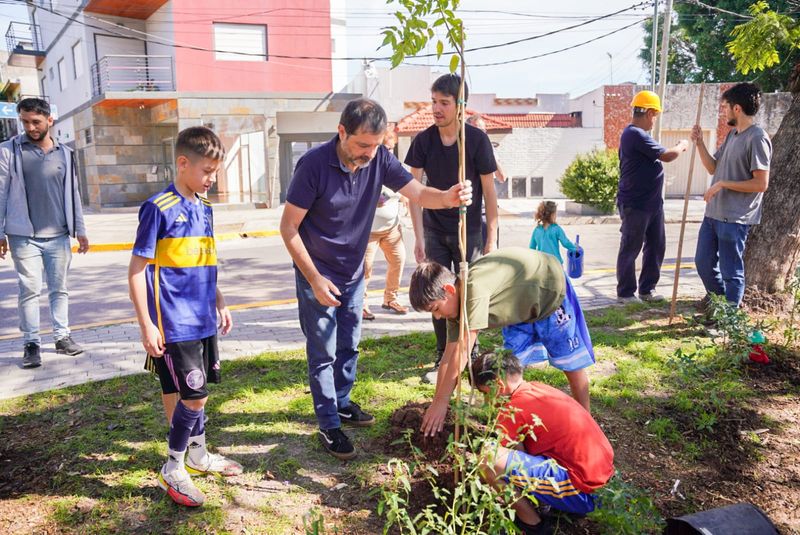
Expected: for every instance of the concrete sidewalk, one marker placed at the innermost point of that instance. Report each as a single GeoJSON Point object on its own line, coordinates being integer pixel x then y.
{"type": "Point", "coordinates": [114, 350]}
{"type": "Point", "coordinates": [116, 230]}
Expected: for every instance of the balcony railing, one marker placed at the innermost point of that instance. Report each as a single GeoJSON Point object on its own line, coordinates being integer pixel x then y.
{"type": "Point", "coordinates": [122, 73]}
{"type": "Point", "coordinates": [23, 40]}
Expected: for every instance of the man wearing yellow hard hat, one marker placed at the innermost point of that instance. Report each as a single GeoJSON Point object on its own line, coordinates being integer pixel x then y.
{"type": "Point", "coordinates": [639, 200]}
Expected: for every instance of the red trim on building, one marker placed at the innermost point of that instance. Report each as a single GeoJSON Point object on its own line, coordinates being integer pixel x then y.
{"type": "Point", "coordinates": [616, 112]}
{"type": "Point", "coordinates": [496, 123]}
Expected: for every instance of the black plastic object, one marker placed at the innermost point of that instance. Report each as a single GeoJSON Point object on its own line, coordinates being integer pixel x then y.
{"type": "Point", "coordinates": [738, 519]}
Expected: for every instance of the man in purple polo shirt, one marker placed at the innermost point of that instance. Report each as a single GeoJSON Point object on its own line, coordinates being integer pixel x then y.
{"type": "Point", "coordinates": [326, 223]}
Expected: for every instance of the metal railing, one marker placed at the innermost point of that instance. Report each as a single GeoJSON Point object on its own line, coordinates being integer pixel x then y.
{"type": "Point", "coordinates": [21, 37]}
{"type": "Point", "coordinates": [128, 73]}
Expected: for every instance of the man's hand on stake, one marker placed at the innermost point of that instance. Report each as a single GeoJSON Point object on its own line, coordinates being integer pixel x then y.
{"type": "Point", "coordinates": [459, 194]}
{"type": "Point", "coordinates": [3, 248]}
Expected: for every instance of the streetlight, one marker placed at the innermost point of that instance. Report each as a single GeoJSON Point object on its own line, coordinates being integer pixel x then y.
{"type": "Point", "coordinates": [611, 66]}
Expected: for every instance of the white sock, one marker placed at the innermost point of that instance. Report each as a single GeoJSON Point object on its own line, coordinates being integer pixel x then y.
{"type": "Point", "coordinates": [175, 461]}
{"type": "Point", "coordinates": [197, 449]}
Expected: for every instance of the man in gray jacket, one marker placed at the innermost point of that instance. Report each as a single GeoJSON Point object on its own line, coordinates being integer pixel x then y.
{"type": "Point", "coordinates": [40, 209]}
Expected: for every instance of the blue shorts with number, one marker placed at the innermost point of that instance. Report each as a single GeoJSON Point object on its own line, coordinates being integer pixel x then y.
{"type": "Point", "coordinates": [543, 479]}
{"type": "Point", "coordinates": [562, 338]}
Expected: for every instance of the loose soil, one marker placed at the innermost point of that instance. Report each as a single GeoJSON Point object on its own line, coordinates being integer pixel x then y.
{"type": "Point", "coordinates": [733, 468]}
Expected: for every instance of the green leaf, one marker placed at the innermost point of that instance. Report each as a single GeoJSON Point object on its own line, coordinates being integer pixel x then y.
{"type": "Point", "coordinates": [454, 63]}
{"type": "Point", "coordinates": [439, 49]}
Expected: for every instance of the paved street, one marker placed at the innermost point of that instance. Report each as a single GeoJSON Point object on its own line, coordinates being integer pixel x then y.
{"type": "Point", "coordinates": [257, 278]}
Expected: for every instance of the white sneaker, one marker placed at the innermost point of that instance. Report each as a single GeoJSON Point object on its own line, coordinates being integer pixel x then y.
{"type": "Point", "coordinates": [626, 300]}
{"type": "Point", "coordinates": [200, 462]}
{"type": "Point", "coordinates": [215, 464]}
{"type": "Point", "coordinates": [652, 297]}
{"type": "Point", "coordinates": [180, 487]}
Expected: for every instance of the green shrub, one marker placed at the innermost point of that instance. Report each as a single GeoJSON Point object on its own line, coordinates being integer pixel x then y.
{"type": "Point", "coordinates": [593, 179]}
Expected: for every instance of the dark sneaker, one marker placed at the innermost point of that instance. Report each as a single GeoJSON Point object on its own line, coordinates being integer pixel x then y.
{"type": "Point", "coordinates": [353, 415]}
{"type": "Point", "coordinates": [67, 346]}
{"type": "Point", "coordinates": [32, 358]}
{"type": "Point", "coordinates": [439, 355]}
{"type": "Point", "coordinates": [336, 443]}
{"type": "Point", "coordinates": [702, 305]}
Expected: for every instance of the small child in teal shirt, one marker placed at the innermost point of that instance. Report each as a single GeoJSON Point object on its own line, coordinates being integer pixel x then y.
{"type": "Point", "coordinates": [547, 233]}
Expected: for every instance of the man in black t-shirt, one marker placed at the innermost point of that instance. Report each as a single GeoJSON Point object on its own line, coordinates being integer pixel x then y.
{"type": "Point", "coordinates": [435, 151]}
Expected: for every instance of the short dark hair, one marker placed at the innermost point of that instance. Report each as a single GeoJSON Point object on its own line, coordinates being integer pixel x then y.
{"type": "Point", "coordinates": [449, 84]}
{"type": "Point", "coordinates": [489, 366]}
{"type": "Point", "coordinates": [427, 284]}
{"type": "Point", "coordinates": [747, 95]}
{"type": "Point", "coordinates": [199, 141]}
{"type": "Point", "coordinates": [364, 114]}
{"type": "Point", "coordinates": [34, 105]}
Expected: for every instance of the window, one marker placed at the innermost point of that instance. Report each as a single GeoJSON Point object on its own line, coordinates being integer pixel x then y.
{"type": "Point", "coordinates": [62, 74]}
{"type": "Point", "coordinates": [77, 59]}
{"type": "Point", "coordinates": [249, 40]}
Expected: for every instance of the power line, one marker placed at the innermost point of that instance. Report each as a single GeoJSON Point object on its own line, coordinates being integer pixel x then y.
{"type": "Point", "coordinates": [556, 51]}
{"type": "Point", "coordinates": [174, 44]}
{"type": "Point", "coordinates": [714, 8]}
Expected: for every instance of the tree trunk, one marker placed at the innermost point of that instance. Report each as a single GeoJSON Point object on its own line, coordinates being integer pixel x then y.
{"type": "Point", "coordinates": [773, 247]}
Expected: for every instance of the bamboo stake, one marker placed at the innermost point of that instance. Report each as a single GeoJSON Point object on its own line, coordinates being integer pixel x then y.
{"type": "Point", "coordinates": [463, 271]}
{"type": "Point", "coordinates": [685, 210]}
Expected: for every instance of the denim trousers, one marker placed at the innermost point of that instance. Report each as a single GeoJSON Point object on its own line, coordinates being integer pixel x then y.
{"type": "Point", "coordinates": [720, 258]}
{"type": "Point", "coordinates": [32, 256]}
{"type": "Point", "coordinates": [642, 231]}
{"type": "Point", "coordinates": [332, 336]}
{"type": "Point", "coordinates": [443, 248]}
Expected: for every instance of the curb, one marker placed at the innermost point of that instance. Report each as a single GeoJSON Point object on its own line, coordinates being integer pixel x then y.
{"type": "Point", "coordinates": [293, 300]}
{"type": "Point", "coordinates": [225, 236]}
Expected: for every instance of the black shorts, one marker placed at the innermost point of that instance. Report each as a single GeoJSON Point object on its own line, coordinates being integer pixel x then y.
{"type": "Point", "coordinates": [187, 367]}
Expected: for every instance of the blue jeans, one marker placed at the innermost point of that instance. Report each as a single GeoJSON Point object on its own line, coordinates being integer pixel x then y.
{"type": "Point", "coordinates": [720, 258]}
{"type": "Point", "coordinates": [32, 256]}
{"type": "Point", "coordinates": [332, 336]}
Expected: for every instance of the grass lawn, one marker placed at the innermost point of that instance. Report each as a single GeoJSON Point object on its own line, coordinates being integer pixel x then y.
{"type": "Point", "coordinates": [84, 459]}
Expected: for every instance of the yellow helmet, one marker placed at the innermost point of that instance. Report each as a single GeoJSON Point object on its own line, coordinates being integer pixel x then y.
{"type": "Point", "coordinates": [647, 100]}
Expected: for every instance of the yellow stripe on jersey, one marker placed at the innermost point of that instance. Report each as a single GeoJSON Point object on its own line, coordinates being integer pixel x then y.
{"type": "Point", "coordinates": [165, 200]}
{"type": "Point", "coordinates": [170, 203]}
{"type": "Point", "coordinates": [162, 197]}
{"type": "Point", "coordinates": [205, 201]}
{"type": "Point", "coordinates": [156, 298]}
{"type": "Point", "coordinates": [195, 251]}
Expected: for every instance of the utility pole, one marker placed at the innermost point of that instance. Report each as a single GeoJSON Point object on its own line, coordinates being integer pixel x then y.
{"type": "Point", "coordinates": [654, 48]}
{"type": "Point", "coordinates": [662, 75]}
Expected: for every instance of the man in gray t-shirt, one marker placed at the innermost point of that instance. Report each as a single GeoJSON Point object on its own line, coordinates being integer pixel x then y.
{"type": "Point", "coordinates": [741, 176]}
